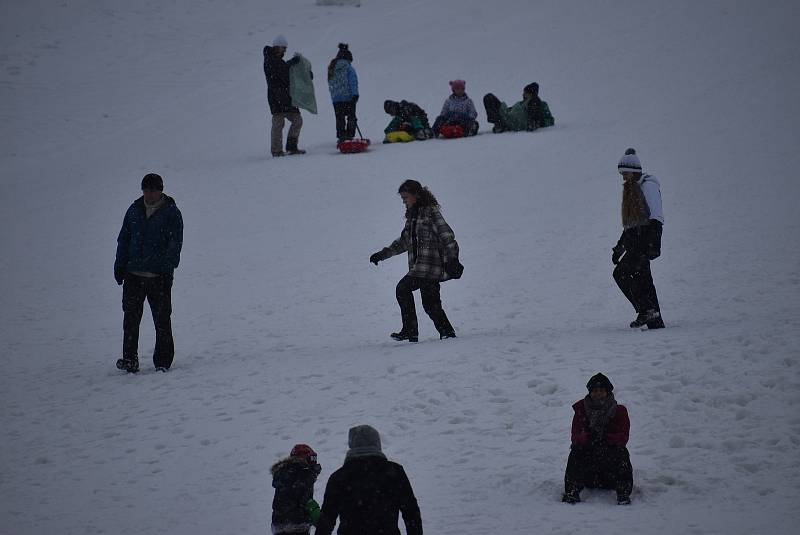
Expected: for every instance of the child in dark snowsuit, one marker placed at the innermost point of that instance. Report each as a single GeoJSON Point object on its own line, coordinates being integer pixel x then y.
{"type": "Point", "coordinates": [528, 114]}
{"type": "Point", "coordinates": [294, 510]}
{"type": "Point", "coordinates": [407, 117]}
{"type": "Point", "coordinates": [459, 110]}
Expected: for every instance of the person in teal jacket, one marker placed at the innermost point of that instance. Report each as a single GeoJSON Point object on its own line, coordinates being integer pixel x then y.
{"type": "Point", "coordinates": [407, 117]}
{"type": "Point", "coordinates": [148, 251]}
{"type": "Point", "coordinates": [528, 114]}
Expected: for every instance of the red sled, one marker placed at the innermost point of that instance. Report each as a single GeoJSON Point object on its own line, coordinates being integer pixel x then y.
{"type": "Point", "coordinates": [351, 146]}
{"type": "Point", "coordinates": [452, 131]}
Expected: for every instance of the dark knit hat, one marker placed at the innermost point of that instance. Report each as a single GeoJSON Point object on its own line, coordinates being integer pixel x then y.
{"type": "Point", "coordinates": [629, 163]}
{"type": "Point", "coordinates": [364, 441]}
{"type": "Point", "coordinates": [532, 88]}
{"type": "Point", "coordinates": [152, 181]}
{"type": "Point", "coordinates": [599, 381]}
{"type": "Point", "coordinates": [304, 451]}
{"type": "Point", "coordinates": [392, 107]}
{"type": "Point", "coordinates": [344, 52]}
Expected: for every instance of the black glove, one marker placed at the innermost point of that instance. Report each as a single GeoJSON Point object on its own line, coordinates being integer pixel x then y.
{"type": "Point", "coordinates": [355, 98]}
{"type": "Point", "coordinates": [378, 257]}
{"type": "Point", "coordinates": [654, 239]}
{"type": "Point", "coordinates": [454, 268]}
{"type": "Point", "coordinates": [119, 275]}
{"type": "Point", "coordinates": [616, 253]}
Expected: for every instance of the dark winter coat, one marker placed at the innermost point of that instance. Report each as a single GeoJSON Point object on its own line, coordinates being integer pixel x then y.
{"type": "Point", "coordinates": [277, 73]}
{"type": "Point", "coordinates": [366, 494]}
{"type": "Point", "coordinates": [429, 241]}
{"type": "Point", "coordinates": [616, 432]}
{"type": "Point", "coordinates": [411, 113]}
{"type": "Point", "coordinates": [293, 480]}
{"type": "Point", "coordinates": [151, 244]}
{"type": "Point", "coordinates": [644, 241]}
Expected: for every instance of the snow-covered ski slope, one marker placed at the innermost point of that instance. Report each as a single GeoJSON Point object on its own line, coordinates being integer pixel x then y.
{"type": "Point", "coordinates": [281, 323]}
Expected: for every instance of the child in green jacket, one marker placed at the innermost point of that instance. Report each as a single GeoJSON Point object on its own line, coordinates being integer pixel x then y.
{"type": "Point", "coordinates": [407, 117]}
{"type": "Point", "coordinates": [528, 114]}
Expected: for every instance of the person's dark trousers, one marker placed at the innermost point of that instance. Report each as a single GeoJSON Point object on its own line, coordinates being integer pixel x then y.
{"type": "Point", "coordinates": [599, 467]}
{"type": "Point", "coordinates": [492, 105]}
{"type": "Point", "coordinates": [345, 119]}
{"type": "Point", "coordinates": [431, 302]}
{"type": "Point", "coordinates": [158, 292]}
{"type": "Point", "coordinates": [634, 278]}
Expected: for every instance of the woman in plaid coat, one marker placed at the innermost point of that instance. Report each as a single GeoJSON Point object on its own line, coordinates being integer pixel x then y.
{"type": "Point", "coordinates": [432, 258]}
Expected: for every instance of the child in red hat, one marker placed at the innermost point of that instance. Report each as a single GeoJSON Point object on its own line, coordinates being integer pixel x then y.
{"type": "Point", "coordinates": [293, 508]}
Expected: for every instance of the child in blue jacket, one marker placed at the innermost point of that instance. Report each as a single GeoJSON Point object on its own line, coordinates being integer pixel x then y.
{"type": "Point", "coordinates": [343, 85]}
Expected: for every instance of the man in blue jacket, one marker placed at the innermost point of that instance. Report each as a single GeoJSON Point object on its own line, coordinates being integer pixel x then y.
{"type": "Point", "coordinates": [148, 251]}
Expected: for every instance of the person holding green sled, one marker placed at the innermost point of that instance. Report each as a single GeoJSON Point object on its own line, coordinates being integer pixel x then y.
{"type": "Point", "coordinates": [276, 70]}
{"type": "Point", "coordinates": [528, 114]}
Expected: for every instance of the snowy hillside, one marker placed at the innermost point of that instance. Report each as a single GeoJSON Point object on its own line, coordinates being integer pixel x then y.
{"type": "Point", "coordinates": [281, 324]}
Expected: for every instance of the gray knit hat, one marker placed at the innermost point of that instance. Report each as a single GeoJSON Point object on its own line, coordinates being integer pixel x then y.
{"type": "Point", "coordinates": [364, 441]}
{"type": "Point", "coordinates": [629, 163]}
{"type": "Point", "coordinates": [281, 41]}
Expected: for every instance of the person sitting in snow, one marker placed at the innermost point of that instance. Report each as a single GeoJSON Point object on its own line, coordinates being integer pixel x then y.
{"type": "Point", "coordinates": [458, 110]}
{"type": "Point", "coordinates": [293, 508]}
{"type": "Point", "coordinates": [368, 492]}
{"type": "Point", "coordinates": [343, 86]}
{"type": "Point", "coordinates": [598, 457]}
{"type": "Point", "coordinates": [528, 114]}
{"type": "Point", "coordinates": [407, 117]}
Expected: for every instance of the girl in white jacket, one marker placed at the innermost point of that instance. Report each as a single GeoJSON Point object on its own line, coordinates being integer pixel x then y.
{"type": "Point", "coordinates": [642, 223]}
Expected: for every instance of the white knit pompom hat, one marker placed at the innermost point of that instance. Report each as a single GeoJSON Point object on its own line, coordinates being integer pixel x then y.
{"type": "Point", "coordinates": [280, 41]}
{"type": "Point", "coordinates": [629, 163]}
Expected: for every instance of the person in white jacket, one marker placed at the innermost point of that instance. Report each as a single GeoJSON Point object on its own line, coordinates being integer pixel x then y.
{"type": "Point", "coordinates": [642, 223]}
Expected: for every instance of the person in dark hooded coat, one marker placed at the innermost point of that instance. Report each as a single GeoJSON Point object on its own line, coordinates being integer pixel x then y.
{"type": "Point", "coordinates": [369, 492]}
{"type": "Point", "coordinates": [294, 510]}
{"type": "Point", "coordinates": [276, 71]}
{"type": "Point", "coordinates": [598, 456]}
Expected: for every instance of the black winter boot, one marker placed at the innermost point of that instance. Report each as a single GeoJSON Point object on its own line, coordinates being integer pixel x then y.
{"type": "Point", "coordinates": [130, 365]}
{"type": "Point", "coordinates": [403, 335]}
{"type": "Point", "coordinates": [291, 146]}
{"type": "Point", "coordinates": [657, 323]}
{"type": "Point", "coordinates": [648, 317]}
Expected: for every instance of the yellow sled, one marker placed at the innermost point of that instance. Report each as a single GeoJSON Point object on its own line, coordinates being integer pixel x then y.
{"type": "Point", "coordinates": [399, 137]}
